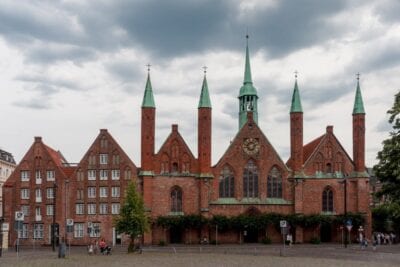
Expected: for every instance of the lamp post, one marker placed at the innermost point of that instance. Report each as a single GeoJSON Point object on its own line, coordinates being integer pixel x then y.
{"type": "Point", "coordinates": [53, 230]}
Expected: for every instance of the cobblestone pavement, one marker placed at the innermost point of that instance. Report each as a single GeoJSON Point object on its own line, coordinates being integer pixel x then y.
{"type": "Point", "coordinates": [221, 255]}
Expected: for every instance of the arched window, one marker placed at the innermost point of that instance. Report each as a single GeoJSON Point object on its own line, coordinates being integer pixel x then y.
{"type": "Point", "coordinates": [328, 168]}
{"type": "Point", "coordinates": [175, 168]}
{"type": "Point", "coordinates": [250, 180]}
{"type": "Point", "coordinates": [226, 182]}
{"type": "Point", "coordinates": [327, 200]}
{"type": "Point", "coordinates": [274, 183]}
{"type": "Point", "coordinates": [176, 199]}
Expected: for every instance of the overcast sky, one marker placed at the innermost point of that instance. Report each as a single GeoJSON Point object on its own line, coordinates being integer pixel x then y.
{"type": "Point", "coordinates": [69, 68]}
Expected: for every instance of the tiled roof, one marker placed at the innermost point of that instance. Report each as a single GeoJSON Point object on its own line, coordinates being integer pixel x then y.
{"type": "Point", "coordinates": [6, 156]}
{"type": "Point", "coordinates": [56, 156]}
{"type": "Point", "coordinates": [308, 149]}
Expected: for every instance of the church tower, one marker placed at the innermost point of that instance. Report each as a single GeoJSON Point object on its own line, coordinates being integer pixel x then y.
{"type": "Point", "coordinates": [296, 130]}
{"type": "Point", "coordinates": [359, 130]}
{"type": "Point", "coordinates": [248, 93]}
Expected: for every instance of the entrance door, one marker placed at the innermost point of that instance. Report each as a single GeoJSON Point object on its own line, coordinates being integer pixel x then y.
{"type": "Point", "coordinates": [326, 232]}
{"type": "Point", "coordinates": [250, 236]}
{"type": "Point", "coordinates": [175, 235]}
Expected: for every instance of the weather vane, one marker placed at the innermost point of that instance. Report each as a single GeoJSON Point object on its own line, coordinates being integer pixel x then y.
{"type": "Point", "coordinates": [148, 67]}
{"type": "Point", "coordinates": [358, 76]}
{"type": "Point", "coordinates": [205, 69]}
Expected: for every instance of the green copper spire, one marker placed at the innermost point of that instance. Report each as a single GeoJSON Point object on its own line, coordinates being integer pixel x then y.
{"type": "Point", "coordinates": [296, 102]}
{"type": "Point", "coordinates": [248, 93]}
{"type": "Point", "coordinates": [358, 102]}
{"type": "Point", "coordinates": [204, 101]}
{"type": "Point", "coordinates": [148, 99]}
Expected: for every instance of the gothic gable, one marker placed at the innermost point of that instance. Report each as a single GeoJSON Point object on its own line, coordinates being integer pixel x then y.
{"type": "Point", "coordinates": [174, 156]}
{"type": "Point", "coordinates": [326, 157]}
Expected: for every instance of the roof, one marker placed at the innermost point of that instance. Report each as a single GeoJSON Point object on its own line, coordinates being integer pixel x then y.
{"type": "Point", "coordinates": [6, 156]}
{"type": "Point", "coordinates": [308, 149]}
{"type": "Point", "coordinates": [204, 101]}
{"type": "Point", "coordinates": [69, 170]}
{"type": "Point", "coordinates": [148, 99]}
{"type": "Point", "coordinates": [56, 156]}
{"type": "Point", "coordinates": [358, 102]}
{"type": "Point", "coordinates": [296, 102]}
{"type": "Point", "coordinates": [247, 88]}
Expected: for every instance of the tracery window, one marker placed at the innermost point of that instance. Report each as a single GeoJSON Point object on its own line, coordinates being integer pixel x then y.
{"type": "Point", "coordinates": [250, 180]}
{"type": "Point", "coordinates": [274, 183]}
{"type": "Point", "coordinates": [226, 182]}
{"type": "Point", "coordinates": [176, 199]}
{"type": "Point", "coordinates": [327, 200]}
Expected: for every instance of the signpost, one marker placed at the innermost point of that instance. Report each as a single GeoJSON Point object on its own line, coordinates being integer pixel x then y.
{"type": "Point", "coordinates": [349, 226]}
{"type": "Point", "coordinates": [19, 219]}
{"type": "Point", "coordinates": [70, 229]}
{"type": "Point", "coordinates": [283, 224]}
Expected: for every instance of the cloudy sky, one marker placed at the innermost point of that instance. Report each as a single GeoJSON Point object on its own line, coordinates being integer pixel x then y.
{"type": "Point", "coordinates": [69, 68]}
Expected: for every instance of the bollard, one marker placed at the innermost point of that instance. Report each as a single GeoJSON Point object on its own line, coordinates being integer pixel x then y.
{"type": "Point", "coordinates": [61, 250]}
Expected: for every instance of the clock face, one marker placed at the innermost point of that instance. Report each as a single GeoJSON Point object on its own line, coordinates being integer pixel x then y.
{"type": "Point", "coordinates": [251, 146]}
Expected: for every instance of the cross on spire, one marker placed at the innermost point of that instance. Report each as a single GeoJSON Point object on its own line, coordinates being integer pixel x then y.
{"type": "Point", "coordinates": [148, 67]}
{"type": "Point", "coordinates": [205, 69]}
{"type": "Point", "coordinates": [295, 74]}
{"type": "Point", "coordinates": [358, 76]}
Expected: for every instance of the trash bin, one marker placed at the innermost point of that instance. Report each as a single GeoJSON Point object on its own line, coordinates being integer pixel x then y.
{"type": "Point", "coordinates": [62, 248]}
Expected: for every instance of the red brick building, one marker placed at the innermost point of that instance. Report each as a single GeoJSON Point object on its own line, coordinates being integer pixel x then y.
{"type": "Point", "coordinates": [250, 178]}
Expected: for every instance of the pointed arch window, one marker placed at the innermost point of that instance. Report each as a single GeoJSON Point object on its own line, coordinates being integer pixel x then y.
{"type": "Point", "coordinates": [176, 199]}
{"type": "Point", "coordinates": [226, 183]}
{"type": "Point", "coordinates": [274, 183]}
{"type": "Point", "coordinates": [250, 180]}
{"type": "Point", "coordinates": [327, 200]}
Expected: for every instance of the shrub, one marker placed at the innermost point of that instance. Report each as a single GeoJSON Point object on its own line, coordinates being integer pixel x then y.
{"type": "Point", "coordinates": [162, 243]}
{"type": "Point", "coordinates": [266, 241]}
{"type": "Point", "coordinates": [315, 240]}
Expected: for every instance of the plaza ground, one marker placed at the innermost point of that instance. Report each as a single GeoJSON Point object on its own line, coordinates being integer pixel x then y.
{"type": "Point", "coordinates": [222, 255]}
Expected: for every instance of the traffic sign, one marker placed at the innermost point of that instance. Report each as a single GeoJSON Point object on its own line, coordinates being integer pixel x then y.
{"type": "Point", "coordinates": [283, 223]}
{"type": "Point", "coordinates": [70, 222]}
{"type": "Point", "coordinates": [349, 227]}
{"type": "Point", "coordinates": [19, 216]}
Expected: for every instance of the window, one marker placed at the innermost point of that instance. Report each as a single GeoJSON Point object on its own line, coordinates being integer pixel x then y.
{"type": "Point", "coordinates": [103, 142]}
{"type": "Point", "coordinates": [38, 231]}
{"type": "Point", "coordinates": [80, 209]}
{"type": "Point", "coordinates": [91, 192]}
{"type": "Point", "coordinates": [91, 174]}
{"type": "Point", "coordinates": [327, 200]}
{"type": "Point", "coordinates": [25, 193]}
{"type": "Point", "coordinates": [176, 199]}
{"type": "Point", "coordinates": [103, 208]}
{"type": "Point", "coordinates": [175, 168]}
{"type": "Point", "coordinates": [25, 210]}
{"type": "Point", "coordinates": [115, 174]}
{"type": "Point", "coordinates": [91, 208]}
{"type": "Point", "coordinates": [79, 194]}
{"type": "Point", "coordinates": [115, 191]}
{"type": "Point", "coordinates": [50, 175]}
{"type": "Point", "coordinates": [49, 210]}
{"type": "Point", "coordinates": [38, 176]}
{"type": "Point", "coordinates": [95, 232]}
{"type": "Point", "coordinates": [328, 168]}
{"type": "Point", "coordinates": [79, 230]}
{"type": "Point", "coordinates": [38, 211]}
{"type": "Point", "coordinates": [92, 160]}
{"type": "Point", "coordinates": [38, 194]}
{"type": "Point", "coordinates": [128, 174]}
{"type": "Point", "coordinates": [274, 183]}
{"type": "Point", "coordinates": [103, 174]}
{"type": "Point", "coordinates": [25, 176]}
{"type": "Point", "coordinates": [226, 183]}
{"type": "Point", "coordinates": [115, 159]}
{"type": "Point", "coordinates": [103, 191]}
{"type": "Point", "coordinates": [24, 231]}
{"type": "Point", "coordinates": [250, 180]}
{"type": "Point", "coordinates": [103, 159]}
{"type": "Point", "coordinates": [50, 193]}
{"type": "Point", "coordinates": [79, 176]}
{"type": "Point", "coordinates": [115, 208]}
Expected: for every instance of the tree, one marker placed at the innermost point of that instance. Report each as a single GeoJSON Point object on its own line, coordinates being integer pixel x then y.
{"type": "Point", "coordinates": [388, 168]}
{"type": "Point", "coordinates": [132, 219]}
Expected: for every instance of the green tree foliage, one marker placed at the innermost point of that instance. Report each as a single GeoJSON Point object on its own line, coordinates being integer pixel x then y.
{"type": "Point", "coordinates": [388, 168]}
{"type": "Point", "coordinates": [132, 219]}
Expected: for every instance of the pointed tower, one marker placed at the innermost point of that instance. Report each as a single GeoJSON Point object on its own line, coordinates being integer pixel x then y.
{"type": "Point", "coordinates": [248, 93]}
{"type": "Point", "coordinates": [359, 130]}
{"type": "Point", "coordinates": [204, 130]}
{"type": "Point", "coordinates": [204, 144]}
{"type": "Point", "coordinates": [296, 130]}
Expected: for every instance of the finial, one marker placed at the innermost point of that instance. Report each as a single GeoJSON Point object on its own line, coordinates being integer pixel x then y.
{"type": "Point", "coordinates": [148, 67]}
{"type": "Point", "coordinates": [247, 32]}
{"type": "Point", "coordinates": [295, 74]}
{"type": "Point", "coordinates": [205, 69]}
{"type": "Point", "coordinates": [358, 76]}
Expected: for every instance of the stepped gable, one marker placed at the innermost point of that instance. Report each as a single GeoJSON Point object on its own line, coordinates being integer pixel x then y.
{"type": "Point", "coordinates": [175, 156]}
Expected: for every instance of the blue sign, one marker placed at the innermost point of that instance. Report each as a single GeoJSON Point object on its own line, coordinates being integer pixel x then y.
{"type": "Point", "coordinates": [349, 222]}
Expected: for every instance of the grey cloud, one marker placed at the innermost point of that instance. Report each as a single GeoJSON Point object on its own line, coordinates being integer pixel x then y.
{"type": "Point", "coordinates": [38, 103]}
{"type": "Point", "coordinates": [125, 71]}
{"type": "Point", "coordinates": [47, 84]}
{"type": "Point", "coordinates": [49, 54]}
{"type": "Point", "coordinates": [383, 126]}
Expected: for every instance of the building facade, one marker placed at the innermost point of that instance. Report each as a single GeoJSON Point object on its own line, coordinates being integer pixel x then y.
{"type": "Point", "coordinates": [249, 179]}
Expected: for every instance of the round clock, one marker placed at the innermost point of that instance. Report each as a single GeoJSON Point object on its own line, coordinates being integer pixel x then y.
{"type": "Point", "coordinates": [251, 146]}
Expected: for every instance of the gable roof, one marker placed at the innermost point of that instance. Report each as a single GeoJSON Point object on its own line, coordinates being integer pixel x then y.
{"type": "Point", "coordinates": [176, 132]}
